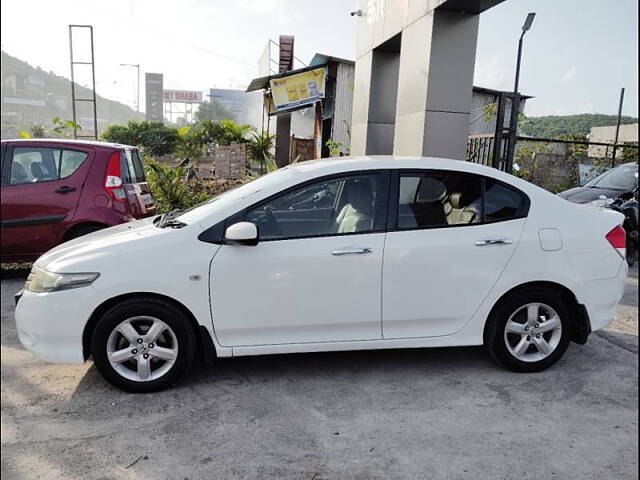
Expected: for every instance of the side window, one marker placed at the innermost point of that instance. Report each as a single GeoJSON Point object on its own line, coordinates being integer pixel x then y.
{"type": "Point", "coordinates": [338, 206]}
{"type": "Point", "coordinates": [33, 165]}
{"type": "Point", "coordinates": [437, 199]}
{"type": "Point", "coordinates": [138, 166]}
{"type": "Point", "coordinates": [70, 162]}
{"type": "Point", "coordinates": [502, 202]}
{"type": "Point", "coordinates": [126, 168]}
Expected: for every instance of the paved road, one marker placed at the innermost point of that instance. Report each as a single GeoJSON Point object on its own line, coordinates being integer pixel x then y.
{"type": "Point", "coordinates": [387, 414]}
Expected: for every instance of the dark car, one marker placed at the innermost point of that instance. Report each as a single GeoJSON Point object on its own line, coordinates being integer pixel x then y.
{"type": "Point", "coordinates": [56, 190]}
{"type": "Point", "coordinates": [619, 182]}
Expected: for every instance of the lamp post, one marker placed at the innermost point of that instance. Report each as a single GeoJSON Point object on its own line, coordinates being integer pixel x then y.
{"type": "Point", "coordinates": [137, 66]}
{"type": "Point", "coordinates": [525, 28]}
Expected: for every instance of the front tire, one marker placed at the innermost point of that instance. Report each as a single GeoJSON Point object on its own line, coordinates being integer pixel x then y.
{"type": "Point", "coordinates": [143, 345]}
{"type": "Point", "coordinates": [529, 331]}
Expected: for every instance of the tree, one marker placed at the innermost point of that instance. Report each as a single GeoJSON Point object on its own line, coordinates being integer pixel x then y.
{"type": "Point", "coordinates": [213, 110]}
{"type": "Point", "coordinates": [155, 138]}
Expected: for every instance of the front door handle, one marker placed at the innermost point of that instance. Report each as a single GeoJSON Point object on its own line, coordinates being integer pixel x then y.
{"type": "Point", "coordinates": [65, 189]}
{"type": "Point", "coordinates": [351, 251]}
{"type": "Point", "coordinates": [493, 241]}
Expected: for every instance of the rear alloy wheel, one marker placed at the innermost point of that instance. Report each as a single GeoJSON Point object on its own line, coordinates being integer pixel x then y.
{"type": "Point", "coordinates": [143, 345]}
{"type": "Point", "coordinates": [530, 331]}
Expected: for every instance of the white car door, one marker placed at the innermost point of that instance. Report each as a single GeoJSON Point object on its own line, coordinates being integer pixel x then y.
{"type": "Point", "coordinates": [315, 274]}
{"type": "Point", "coordinates": [453, 237]}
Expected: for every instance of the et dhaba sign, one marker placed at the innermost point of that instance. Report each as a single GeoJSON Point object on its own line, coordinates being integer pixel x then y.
{"type": "Point", "coordinates": [182, 96]}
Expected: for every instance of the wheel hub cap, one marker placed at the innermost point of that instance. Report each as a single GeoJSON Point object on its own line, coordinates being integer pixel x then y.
{"type": "Point", "coordinates": [533, 332]}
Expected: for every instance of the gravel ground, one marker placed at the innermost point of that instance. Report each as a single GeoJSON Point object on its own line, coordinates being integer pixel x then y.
{"type": "Point", "coordinates": [437, 413]}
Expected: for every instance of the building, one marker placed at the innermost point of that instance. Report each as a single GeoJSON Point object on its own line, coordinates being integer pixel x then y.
{"type": "Point", "coordinates": [337, 106]}
{"type": "Point", "coordinates": [236, 101]}
{"type": "Point", "coordinates": [481, 120]}
{"type": "Point", "coordinates": [414, 76]}
{"type": "Point", "coordinates": [627, 134]}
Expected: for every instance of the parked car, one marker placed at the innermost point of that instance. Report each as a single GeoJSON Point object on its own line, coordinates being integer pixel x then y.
{"type": "Point", "coordinates": [471, 256]}
{"type": "Point", "coordinates": [57, 190]}
{"type": "Point", "coordinates": [616, 188]}
{"type": "Point", "coordinates": [618, 182]}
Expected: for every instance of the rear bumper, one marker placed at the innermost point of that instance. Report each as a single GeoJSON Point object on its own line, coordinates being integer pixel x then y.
{"type": "Point", "coordinates": [50, 325]}
{"type": "Point", "coordinates": [601, 297]}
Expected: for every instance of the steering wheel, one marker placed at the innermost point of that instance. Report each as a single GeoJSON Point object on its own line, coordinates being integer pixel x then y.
{"type": "Point", "coordinates": [271, 221]}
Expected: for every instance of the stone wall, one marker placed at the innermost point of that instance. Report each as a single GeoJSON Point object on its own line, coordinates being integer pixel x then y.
{"type": "Point", "coordinates": [231, 161]}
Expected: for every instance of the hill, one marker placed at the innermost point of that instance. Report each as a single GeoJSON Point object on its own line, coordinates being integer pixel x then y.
{"type": "Point", "coordinates": [553, 126]}
{"type": "Point", "coordinates": [31, 95]}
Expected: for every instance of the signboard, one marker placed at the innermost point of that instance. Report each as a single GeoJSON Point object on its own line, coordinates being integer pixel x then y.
{"type": "Point", "coordinates": [182, 96]}
{"type": "Point", "coordinates": [153, 97]}
{"type": "Point", "coordinates": [301, 89]}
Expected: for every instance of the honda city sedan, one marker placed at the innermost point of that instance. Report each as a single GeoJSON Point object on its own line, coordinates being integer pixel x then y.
{"type": "Point", "coordinates": [338, 254]}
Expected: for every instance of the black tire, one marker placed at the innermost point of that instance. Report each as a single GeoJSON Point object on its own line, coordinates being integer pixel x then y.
{"type": "Point", "coordinates": [495, 337]}
{"type": "Point", "coordinates": [82, 230]}
{"type": "Point", "coordinates": [159, 309]}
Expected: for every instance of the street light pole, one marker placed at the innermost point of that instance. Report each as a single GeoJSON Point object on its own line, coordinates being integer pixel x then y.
{"type": "Point", "coordinates": [137, 66]}
{"type": "Point", "coordinates": [525, 28]}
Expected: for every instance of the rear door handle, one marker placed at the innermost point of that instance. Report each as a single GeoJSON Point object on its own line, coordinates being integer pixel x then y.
{"type": "Point", "coordinates": [493, 241]}
{"type": "Point", "coordinates": [351, 251]}
{"type": "Point", "coordinates": [65, 189]}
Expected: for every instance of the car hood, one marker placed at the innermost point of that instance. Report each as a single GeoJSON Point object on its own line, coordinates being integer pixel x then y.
{"type": "Point", "coordinates": [588, 194]}
{"type": "Point", "coordinates": [80, 253]}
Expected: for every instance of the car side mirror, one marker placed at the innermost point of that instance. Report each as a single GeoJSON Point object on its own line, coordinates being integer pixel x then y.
{"type": "Point", "coordinates": [242, 233]}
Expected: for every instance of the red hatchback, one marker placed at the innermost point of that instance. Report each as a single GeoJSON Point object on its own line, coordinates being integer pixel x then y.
{"type": "Point", "coordinates": [56, 190]}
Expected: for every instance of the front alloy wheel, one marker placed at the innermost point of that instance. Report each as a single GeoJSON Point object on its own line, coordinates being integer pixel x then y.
{"type": "Point", "coordinates": [143, 344]}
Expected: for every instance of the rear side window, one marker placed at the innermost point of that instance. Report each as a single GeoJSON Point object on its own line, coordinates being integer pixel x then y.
{"type": "Point", "coordinates": [132, 167]}
{"type": "Point", "coordinates": [36, 164]}
{"type": "Point", "coordinates": [439, 199]}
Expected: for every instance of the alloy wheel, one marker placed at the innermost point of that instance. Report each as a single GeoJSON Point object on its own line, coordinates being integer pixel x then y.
{"type": "Point", "coordinates": [142, 348]}
{"type": "Point", "coordinates": [533, 332]}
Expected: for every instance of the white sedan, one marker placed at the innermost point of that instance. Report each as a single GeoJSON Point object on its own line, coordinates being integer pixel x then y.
{"type": "Point", "coordinates": [339, 254]}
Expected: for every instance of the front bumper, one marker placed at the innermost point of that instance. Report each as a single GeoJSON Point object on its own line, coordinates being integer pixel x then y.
{"type": "Point", "coordinates": [50, 325]}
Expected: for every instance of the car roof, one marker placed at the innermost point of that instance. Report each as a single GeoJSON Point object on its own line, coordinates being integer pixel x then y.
{"type": "Point", "coordinates": [90, 143]}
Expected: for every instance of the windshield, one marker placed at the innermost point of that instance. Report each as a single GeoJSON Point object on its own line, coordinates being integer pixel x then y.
{"type": "Point", "coordinates": [624, 177]}
{"type": "Point", "coordinates": [233, 195]}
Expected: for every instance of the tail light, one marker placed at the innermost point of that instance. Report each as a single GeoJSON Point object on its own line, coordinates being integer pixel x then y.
{"type": "Point", "coordinates": [618, 240]}
{"type": "Point", "coordinates": [113, 180]}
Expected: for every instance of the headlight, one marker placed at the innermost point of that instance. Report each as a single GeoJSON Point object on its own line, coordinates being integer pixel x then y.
{"type": "Point", "coordinates": [40, 281]}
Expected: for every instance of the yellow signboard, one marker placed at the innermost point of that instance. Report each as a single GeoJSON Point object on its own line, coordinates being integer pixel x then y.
{"type": "Point", "coordinates": [298, 90]}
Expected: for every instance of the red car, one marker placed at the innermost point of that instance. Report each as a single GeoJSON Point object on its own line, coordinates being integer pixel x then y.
{"type": "Point", "coordinates": [56, 190]}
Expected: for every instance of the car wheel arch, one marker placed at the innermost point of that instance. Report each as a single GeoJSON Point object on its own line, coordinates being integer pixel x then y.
{"type": "Point", "coordinates": [581, 326]}
{"type": "Point", "coordinates": [70, 232]}
{"type": "Point", "coordinates": [199, 331]}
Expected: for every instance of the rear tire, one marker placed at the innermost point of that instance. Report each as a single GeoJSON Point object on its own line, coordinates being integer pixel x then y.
{"type": "Point", "coordinates": [529, 331]}
{"type": "Point", "coordinates": [143, 345]}
{"type": "Point", "coordinates": [82, 230]}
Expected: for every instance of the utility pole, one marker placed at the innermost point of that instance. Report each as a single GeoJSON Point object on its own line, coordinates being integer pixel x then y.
{"type": "Point", "coordinates": [137, 67]}
{"type": "Point", "coordinates": [615, 141]}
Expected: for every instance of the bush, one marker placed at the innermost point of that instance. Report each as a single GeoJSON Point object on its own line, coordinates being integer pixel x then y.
{"type": "Point", "coordinates": [154, 138]}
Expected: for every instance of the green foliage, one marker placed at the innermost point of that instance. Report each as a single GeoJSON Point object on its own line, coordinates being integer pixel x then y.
{"type": "Point", "coordinates": [64, 128]}
{"type": "Point", "coordinates": [260, 145]}
{"type": "Point", "coordinates": [37, 131]}
{"type": "Point", "coordinates": [335, 148]}
{"type": "Point", "coordinates": [553, 126]}
{"type": "Point", "coordinates": [154, 138]}
{"type": "Point", "coordinates": [214, 111]}
{"type": "Point", "coordinates": [190, 144]}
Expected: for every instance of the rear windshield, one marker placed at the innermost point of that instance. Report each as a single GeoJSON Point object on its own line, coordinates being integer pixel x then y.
{"type": "Point", "coordinates": [132, 167]}
{"type": "Point", "coordinates": [624, 177]}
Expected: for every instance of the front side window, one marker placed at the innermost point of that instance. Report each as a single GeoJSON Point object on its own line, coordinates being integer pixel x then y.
{"type": "Point", "coordinates": [440, 199]}
{"type": "Point", "coordinates": [328, 207]}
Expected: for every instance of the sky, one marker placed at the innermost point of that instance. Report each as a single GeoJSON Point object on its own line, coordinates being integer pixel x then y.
{"type": "Point", "coordinates": [577, 55]}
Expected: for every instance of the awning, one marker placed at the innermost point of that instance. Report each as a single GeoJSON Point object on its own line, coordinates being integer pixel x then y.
{"type": "Point", "coordinates": [262, 83]}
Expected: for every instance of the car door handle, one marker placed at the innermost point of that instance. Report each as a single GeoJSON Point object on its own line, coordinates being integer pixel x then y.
{"type": "Point", "coordinates": [65, 189]}
{"type": "Point", "coordinates": [493, 241]}
{"type": "Point", "coordinates": [351, 251]}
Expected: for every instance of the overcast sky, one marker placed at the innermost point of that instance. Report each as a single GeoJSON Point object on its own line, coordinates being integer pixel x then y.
{"type": "Point", "coordinates": [577, 55]}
